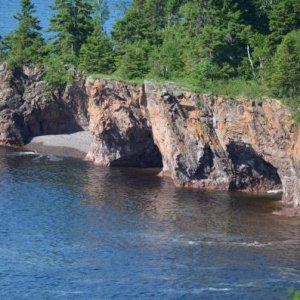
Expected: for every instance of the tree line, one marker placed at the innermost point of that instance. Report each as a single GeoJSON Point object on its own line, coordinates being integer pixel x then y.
{"type": "Point", "coordinates": [202, 42]}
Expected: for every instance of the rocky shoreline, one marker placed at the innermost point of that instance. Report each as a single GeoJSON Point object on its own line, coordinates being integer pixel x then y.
{"type": "Point", "coordinates": [68, 145]}
{"type": "Point", "coordinates": [199, 141]}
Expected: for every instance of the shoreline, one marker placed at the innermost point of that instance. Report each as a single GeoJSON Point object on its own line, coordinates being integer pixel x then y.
{"type": "Point", "coordinates": [75, 145]}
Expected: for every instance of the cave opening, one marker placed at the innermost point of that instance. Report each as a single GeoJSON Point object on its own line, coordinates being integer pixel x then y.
{"type": "Point", "coordinates": [137, 151]}
{"type": "Point", "coordinates": [252, 172]}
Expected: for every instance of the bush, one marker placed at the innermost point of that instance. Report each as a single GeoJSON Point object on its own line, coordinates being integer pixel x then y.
{"type": "Point", "coordinates": [57, 74]}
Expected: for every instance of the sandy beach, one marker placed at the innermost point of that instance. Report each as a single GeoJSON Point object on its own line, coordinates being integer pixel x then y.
{"type": "Point", "coordinates": [67, 145]}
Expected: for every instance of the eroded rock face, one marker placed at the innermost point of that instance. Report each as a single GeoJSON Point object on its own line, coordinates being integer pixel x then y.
{"type": "Point", "coordinates": [204, 141]}
{"type": "Point", "coordinates": [121, 133]}
{"type": "Point", "coordinates": [28, 107]}
{"type": "Point", "coordinates": [199, 141]}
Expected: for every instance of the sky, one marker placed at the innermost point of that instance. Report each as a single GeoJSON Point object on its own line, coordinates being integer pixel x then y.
{"type": "Point", "coordinates": [9, 8]}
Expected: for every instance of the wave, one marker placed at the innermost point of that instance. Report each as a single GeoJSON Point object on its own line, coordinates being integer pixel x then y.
{"type": "Point", "coordinates": [24, 153]}
{"type": "Point", "coordinates": [37, 156]}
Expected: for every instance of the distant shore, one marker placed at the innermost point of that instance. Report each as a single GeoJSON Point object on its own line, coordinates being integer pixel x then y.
{"type": "Point", "coordinates": [67, 145]}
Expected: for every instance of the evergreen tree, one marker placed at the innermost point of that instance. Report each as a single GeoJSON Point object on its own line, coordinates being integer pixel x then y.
{"type": "Point", "coordinates": [26, 42]}
{"type": "Point", "coordinates": [2, 51]}
{"type": "Point", "coordinates": [72, 24]}
{"type": "Point", "coordinates": [285, 74]}
{"type": "Point", "coordinates": [122, 6]}
{"type": "Point", "coordinates": [96, 56]}
{"type": "Point", "coordinates": [284, 18]}
{"type": "Point", "coordinates": [166, 61]}
{"type": "Point", "coordinates": [101, 11]}
{"type": "Point", "coordinates": [134, 63]}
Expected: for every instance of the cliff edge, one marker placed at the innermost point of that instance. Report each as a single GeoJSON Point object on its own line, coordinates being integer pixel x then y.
{"type": "Point", "coordinates": [200, 141]}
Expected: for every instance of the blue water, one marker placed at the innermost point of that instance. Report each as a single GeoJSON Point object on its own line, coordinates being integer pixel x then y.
{"type": "Point", "coordinates": [70, 230]}
{"type": "Point", "coordinates": [9, 8]}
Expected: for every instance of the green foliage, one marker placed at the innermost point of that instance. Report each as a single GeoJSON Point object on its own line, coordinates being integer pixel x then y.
{"type": "Point", "coordinates": [96, 56]}
{"type": "Point", "coordinates": [166, 61]}
{"type": "Point", "coordinates": [134, 63]}
{"type": "Point", "coordinates": [2, 50]}
{"type": "Point", "coordinates": [101, 11]}
{"type": "Point", "coordinates": [58, 74]}
{"type": "Point", "coordinates": [71, 23]}
{"type": "Point", "coordinates": [295, 295]}
{"type": "Point", "coordinates": [25, 45]}
{"type": "Point", "coordinates": [284, 18]}
{"type": "Point", "coordinates": [204, 72]}
{"type": "Point", "coordinates": [285, 72]}
{"type": "Point", "coordinates": [232, 47]}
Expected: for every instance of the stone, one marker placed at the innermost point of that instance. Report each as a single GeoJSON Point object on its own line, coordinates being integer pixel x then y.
{"type": "Point", "coordinates": [29, 107]}
{"type": "Point", "coordinates": [199, 141]}
{"type": "Point", "coordinates": [221, 144]}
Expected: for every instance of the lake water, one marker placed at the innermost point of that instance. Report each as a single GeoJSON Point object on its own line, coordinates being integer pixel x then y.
{"type": "Point", "coordinates": [9, 8]}
{"type": "Point", "coordinates": [70, 230]}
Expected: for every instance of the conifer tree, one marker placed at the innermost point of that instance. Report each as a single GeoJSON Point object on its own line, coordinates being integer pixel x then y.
{"type": "Point", "coordinates": [285, 74]}
{"type": "Point", "coordinates": [72, 24]}
{"type": "Point", "coordinates": [284, 18]}
{"type": "Point", "coordinates": [96, 56]}
{"type": "Point", "coordinates": [135, 62]}
{"type": "Point", "coordinates": [26, 42]}
{"type": "Point", "coordinates": [101, 12]}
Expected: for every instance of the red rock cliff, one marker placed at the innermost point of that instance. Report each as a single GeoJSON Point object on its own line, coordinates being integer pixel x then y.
{"type": "Point", "coordinates": [201, 141]}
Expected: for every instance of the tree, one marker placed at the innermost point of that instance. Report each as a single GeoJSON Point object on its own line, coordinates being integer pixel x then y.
{"type": "Point", "coordinates": [101, 11]}
{"type": "Point", "coordinates": [122, 6]}
{"type": "Point", "coordinates": [285, 74]}
{"type": "Point", "coordinates": [2, 49]}
{"type": "Point", "coordinates": [284, 17]}
{"type": "Point", "coordinates": [72, 24]}
{"type": "Point", "coordinates": [134, 63]}
{"type": "Point", "coordinates": [166, 60]}
{"type": "Point", "coordinates": [96, 56]}
{"type": "Point", "coordinates": [26, 43]}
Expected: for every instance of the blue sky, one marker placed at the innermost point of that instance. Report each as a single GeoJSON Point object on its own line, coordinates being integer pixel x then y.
{"type": "Point", "coordinates": [9, 8]}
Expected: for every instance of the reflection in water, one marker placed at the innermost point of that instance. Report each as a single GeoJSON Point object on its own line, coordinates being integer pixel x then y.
{"type": "Point", "coordinates": [69, 229]}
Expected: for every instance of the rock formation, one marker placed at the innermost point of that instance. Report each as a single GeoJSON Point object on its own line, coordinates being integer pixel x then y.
{"type": "Point", "coordinates": [29, 107]}
{"type": "Point", "coordinates": [121, 132]}
{"type": "Point", "coordinates": [202, 141]}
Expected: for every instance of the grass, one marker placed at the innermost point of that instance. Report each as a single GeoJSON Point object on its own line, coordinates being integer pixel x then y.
{"type": "Point", "coordinates": [134, 82]}
{"type": "Point", "coordinates": [232, 88]}
{"type": "Point", "coordinates": [248, 89]}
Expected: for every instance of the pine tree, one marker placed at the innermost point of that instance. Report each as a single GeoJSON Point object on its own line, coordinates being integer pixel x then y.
{"type": "Point", "coordinates": [166, 61]}
{"type": "Point", "coordinates": [285, 74]}
{"type": "Point", "coordinates": [135, 62]}
{"type": "Point", "coordinates": [72, 24]}
{"type": "Point", "coordinates": [101, 11]}
{"type": "Point", "coordinates": [284, 17]}
{"type": "Point", "coordinates": [96, 56]}
{"type": "Point", "coordinates": [26, 42]}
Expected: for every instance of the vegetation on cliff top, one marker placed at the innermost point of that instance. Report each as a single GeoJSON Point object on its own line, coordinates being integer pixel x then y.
{"type": "Point", "coordinates": [229, 47]}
